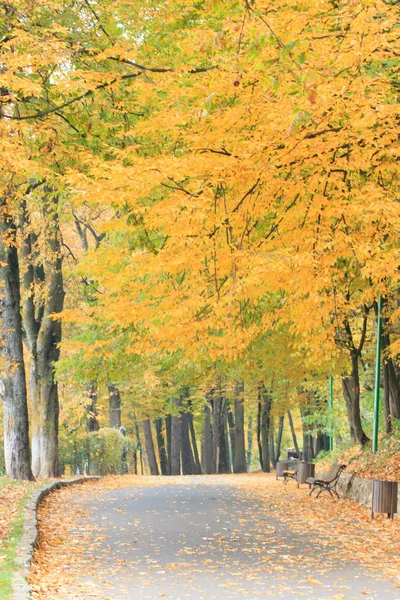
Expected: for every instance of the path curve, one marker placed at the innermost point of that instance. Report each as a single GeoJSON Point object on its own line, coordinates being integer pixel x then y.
{"type": "Point", "coordinates": [190, 537]}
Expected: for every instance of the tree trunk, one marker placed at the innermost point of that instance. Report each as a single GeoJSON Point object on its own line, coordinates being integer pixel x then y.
{"type": "Point", "coordinates": [45, 408]}
{"type": "Point", "coordinates": [272, 443]}
{"type": "Point", "coordinates": [176, 441]}
{"type": "Point", "coordinates": [386, 398]}
{"type": "Point", "coordinates": [13, 389]}
{"type": "Point", "coordinates": [265, 428]}
{"type": "Point", "coordinates": [231, 427]}
{"type": "Point", "coordinates": [391, 383]}
{"type": "Point", "coordinates": [124, 455]}
{"type": "Point", "coordinates": [279, 438]}
{"type": "Point", "coordinates": [249, 442]}
{"type": "Point", "coordinates": [295, 442]}
{"type": "Point", "coordinates": [351, 393]}
{"type": "Point", "coordinates": [207, 448]}
{"type": "Point", "coordinates": [391, 374]}
{"type": "Point", "coordinates": [188, 466]}
{"type": "Point", "coordinates": [259, 422]}
{"type": "Point", "coordinates": [197, 463]}
{"type": "Point", "coordinates": [321, 443]}
{"type": "Point", "coordinates": [114, 406]}
{"type": "Point", "coordinates": [92, 423]}
{"type": "Point", "coordinates": [168, 422]}
{"type": "Point", "coordinates": [239, 463]}
{"type": "Point", "coordinates": [224, 458]}
{"type": "Point", "coordinates": [43, 332]}
{"type": "Point", "coordinates": [139, 447]}
{"type": "Point", "coordinates": [151, 455]}
{"type": "Point", "coordinates": [216, 430]}
{"type": "Point", "coordinates": [308, 450]}
{"type": "Point", "coordinates": [158, 424]}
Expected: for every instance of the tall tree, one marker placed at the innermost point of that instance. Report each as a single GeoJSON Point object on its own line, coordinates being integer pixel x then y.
{"type": "Point", "coordinates": [162, 451]}
{"type": "Point", "coordinates": [151, 455]}
{"type": "Point", "coordinates": [239, 465]}
{"type": "Point", "coordinates": [13, 389]}
{"type": "Point", "coordinates": [43, 301]}
{"type": "Point", "coordinates": [114, 406]}
{"type": "Point", "coordinates": [176, 440]}
{"type": "Point", "coordinates": [207, 446]}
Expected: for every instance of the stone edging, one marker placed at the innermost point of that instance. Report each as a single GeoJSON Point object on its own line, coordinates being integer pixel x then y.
{"type": "Point", "coordinates": [30, 537]}
{"type": "Point", "coordinates": [358, 489]}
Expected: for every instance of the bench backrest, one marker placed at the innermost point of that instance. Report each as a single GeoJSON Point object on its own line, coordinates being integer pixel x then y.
{"type": "Point", "coordinates": [333, 473]}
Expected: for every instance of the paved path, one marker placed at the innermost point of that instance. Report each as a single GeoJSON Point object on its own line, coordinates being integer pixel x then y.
{"type": "Point", "coordinates": [203, 540]}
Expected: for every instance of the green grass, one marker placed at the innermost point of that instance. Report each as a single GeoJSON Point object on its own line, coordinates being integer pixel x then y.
{"type": "Point", "coordinates": [8, 547]}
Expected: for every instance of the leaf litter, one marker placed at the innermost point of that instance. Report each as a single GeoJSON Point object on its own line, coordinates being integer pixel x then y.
{"type": "Point", "coordinates": [261, 531]}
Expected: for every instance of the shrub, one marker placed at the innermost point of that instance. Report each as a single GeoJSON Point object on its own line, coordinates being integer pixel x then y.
{"type": "Point", "coordinates": [106, 448]}
{"type": "Point", "coordinates": [98, 453]}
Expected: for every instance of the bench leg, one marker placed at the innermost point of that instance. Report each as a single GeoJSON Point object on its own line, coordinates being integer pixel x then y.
{"type": "Point", "coordinates": [325, 489]}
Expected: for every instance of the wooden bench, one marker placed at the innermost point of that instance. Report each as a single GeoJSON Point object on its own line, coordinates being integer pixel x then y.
{"type": "Point", "coordinates": [290, 474]}
{"type": "Point", "coordinates": [327, 482]}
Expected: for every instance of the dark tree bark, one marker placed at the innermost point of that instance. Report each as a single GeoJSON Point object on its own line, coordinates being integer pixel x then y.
{"type": "Point", "coordinates": [176, 441]}
{"type": "Point", "coordinates": [92, 423]}
{"type": "Point", "coordinates": [224, 462]}
{"type": "Point", "coordinates": [259, 422]}
{"type": "Point", "coordinates": [114, 406]}
{"type": "Point", "coordinates": [196, 457]}
{"type": "Point", "coordinates": [279, 438]}
{"type": "Point", "coordinates": [386, 398]}
{"type": "Point", "coordinates": [249, 455]}
{"type": "Point", "coordinates": [207, 447]}
{"type": "Point", "coordinates": [43, 332]}
{"type": "Point", "coordinates": [295, 442]}
{"type": "Point", "coordinates": [168, 422]}
{"type": "Point", "coordinates": [308, 450]}
{"type": "Point", "coordinates": [321, 443]}
{"type": "Point", "coordinates": [188, 464]}
{"type": "Point", "coordinates": [151, 455]}
{"type": "Point", "coordinates": [13, 389]}
{"type": "Point", "coordinates": [392, 385]}
{"type": "Point", "coordinates": [391, 373]}
{"type": "Point", "coordinates": [231, 427]}
{"type": "Point", "coordinates": [351, 393]}
{"type": "Point", "coordinates": [272, 442]}
{"type": "Point", "coordinates": [265, 428]}
{"type": "Point", "coordinates": [239, 463]}
{"type": "Point", "coordinates": [351, 383]}
{"type": "Point", "coordinates": [162, 452]}
{"type": "Point", "coordinates": [216, 430]}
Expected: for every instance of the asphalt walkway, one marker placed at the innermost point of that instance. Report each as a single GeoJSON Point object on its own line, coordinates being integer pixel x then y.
{"type": "Point", "coordinates": [199, 538]}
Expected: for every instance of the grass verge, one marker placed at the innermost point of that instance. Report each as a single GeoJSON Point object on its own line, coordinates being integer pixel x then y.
{"type": "Point", "coordinates": [9, 543]}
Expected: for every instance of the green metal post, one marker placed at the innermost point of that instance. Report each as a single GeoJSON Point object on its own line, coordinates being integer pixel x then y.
{"type": "Point", "coordinates": [331, 415]}
{"type": "Point", "coordinates": [377, 378]}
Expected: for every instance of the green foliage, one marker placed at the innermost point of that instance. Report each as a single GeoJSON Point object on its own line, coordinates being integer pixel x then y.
{"type": "Point", "coordinates": [106, 448]}
{"type": "Point", "coordinates": [97, 453]}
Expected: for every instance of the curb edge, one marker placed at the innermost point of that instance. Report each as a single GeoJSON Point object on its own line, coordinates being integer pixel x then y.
{"type": "Point", "coordinates": [30, 536]}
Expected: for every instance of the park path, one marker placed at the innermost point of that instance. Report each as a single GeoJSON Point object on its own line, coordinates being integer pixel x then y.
{"type": "Point", "coordinates": [207, 537]}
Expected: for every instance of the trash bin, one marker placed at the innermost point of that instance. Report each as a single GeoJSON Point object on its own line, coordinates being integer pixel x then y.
{"type": "Point", "coordinates": [282, 465]}
{"type": "Point", "coordinates": [384, 497]}
{"type": "Point", "coordinates": [304, 471]}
